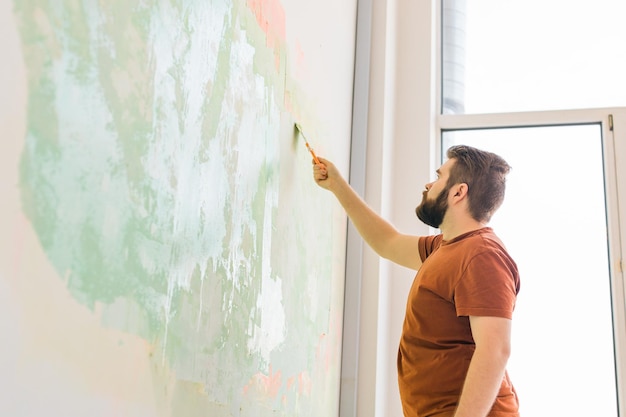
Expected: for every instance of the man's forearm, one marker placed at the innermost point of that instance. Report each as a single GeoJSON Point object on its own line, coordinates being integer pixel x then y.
{"type": "Point", "coordinates": [379, 234]}
{"type": "Point", "coordinates": [371, 226]}
{"type": "Point", "coordinates": [482, 383]}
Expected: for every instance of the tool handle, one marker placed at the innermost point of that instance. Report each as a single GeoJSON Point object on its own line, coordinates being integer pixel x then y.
{"type": "Point", "coordinates": [317, 161]}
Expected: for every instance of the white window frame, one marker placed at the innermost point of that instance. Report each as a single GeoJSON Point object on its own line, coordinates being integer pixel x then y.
{"type": "Point", "coordinates": [613, 123]}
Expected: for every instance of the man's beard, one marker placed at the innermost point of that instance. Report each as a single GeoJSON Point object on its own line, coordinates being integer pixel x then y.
{"type": "Point", "coordinates": [431, 212]}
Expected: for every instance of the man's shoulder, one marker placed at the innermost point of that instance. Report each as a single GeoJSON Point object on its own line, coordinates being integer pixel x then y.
{"type": "Point", "coordinates": [490, 239]}
{"type": "Point", "coordinates": [483, 243]}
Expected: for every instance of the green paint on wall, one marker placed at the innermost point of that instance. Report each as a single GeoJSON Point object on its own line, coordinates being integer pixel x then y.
{"type": "Point", "coordinates": [152, 177]}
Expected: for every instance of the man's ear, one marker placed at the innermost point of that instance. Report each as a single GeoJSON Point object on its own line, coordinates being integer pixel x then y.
{"type": "Point", "coordinates": [459, 191]}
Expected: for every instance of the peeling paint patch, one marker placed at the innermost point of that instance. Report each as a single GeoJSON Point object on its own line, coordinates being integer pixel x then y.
{"type": "Point", "coordinates": [152, 175]}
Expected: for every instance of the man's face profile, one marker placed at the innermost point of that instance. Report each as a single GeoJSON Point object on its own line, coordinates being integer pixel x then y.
{"type": "Point", "coordinates": [432, 210]}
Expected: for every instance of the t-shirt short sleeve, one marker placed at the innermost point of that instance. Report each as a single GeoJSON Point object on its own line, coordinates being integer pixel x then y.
{"type": "Point", "coordinates": [428, 244]}
{"type": "Point", "coordinates": [488, 287]}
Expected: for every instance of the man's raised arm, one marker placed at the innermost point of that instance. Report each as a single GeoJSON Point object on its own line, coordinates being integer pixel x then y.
{"type": "Point", "coordinates": [379, 234]}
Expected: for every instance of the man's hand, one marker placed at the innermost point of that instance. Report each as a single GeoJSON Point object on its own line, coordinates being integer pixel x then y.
{"type": "Point", "coordinates": [326, 174]}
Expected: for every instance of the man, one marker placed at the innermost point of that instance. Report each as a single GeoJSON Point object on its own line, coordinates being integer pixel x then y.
{"type": "Point", "coordinates": [456, 335]}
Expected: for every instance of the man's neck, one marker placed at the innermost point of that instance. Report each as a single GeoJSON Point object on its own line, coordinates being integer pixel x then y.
{"type": "Point", "coordinates": [450, 230]}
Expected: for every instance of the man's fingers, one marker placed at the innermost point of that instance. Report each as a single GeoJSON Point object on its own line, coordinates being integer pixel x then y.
{"type": "Point", "coordinates": [320, 172]}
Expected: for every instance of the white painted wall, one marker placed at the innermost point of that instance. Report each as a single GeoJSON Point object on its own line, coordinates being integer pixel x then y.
{"type": "Point", "coordinates": [400, 160]}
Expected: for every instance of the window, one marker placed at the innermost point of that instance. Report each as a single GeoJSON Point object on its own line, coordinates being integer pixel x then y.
{"type": "Point", "coordinates": [539, 83]}
{"type": "Point", "coordinates": [513, 55]}
{"type": "Point", "coordinates": [563, 317]}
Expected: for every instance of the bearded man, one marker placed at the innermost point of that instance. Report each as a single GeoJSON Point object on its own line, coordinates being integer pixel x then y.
{"type": "Point", "coordinates": [456, 336]}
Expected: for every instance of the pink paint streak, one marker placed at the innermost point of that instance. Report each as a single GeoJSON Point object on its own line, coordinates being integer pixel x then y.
{"type": "Point", "coordinates": [270, 15]}
{"type": "Point", "coordinates": [264, 385]}
{"type": "Point", "coordinates": [300, 62]}
{"type": "Point", "coordinates": [304, 383]}
{"type": "Point", "coordinates": [323, 352]}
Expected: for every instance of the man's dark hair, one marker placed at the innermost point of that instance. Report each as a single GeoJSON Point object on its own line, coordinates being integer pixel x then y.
{"type": "Point", "coordinates": [485, 176]}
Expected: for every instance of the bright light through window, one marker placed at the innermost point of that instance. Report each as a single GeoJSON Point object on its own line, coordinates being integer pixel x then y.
{"type": "Point", "coordinates": [527, 55]}
{"type": "Point", "coordinates": [512, 56]}
{"type": "Point", "coordinates": [553, 222]}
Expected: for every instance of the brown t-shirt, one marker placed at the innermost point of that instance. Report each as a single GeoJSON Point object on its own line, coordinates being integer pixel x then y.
{"type": "Point", "coordinates": [470, 275]}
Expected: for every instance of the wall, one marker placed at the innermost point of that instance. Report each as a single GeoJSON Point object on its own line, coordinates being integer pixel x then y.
{"type": "Point", "coordinates": [400, 160]}
{"type": "Point", "coordinates": [164, 249]}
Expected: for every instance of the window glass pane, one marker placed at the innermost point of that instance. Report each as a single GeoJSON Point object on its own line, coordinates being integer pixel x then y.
{"type": "Point", "coordinates": [521, 55]}
{"type": "Point", "coordinates": [553, 222]}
